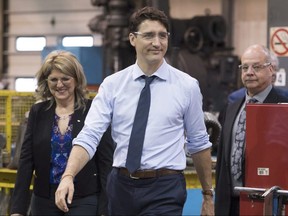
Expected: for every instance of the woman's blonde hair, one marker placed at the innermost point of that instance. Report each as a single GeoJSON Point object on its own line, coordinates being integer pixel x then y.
{"type": "Point", "coordinates": [66, 63]}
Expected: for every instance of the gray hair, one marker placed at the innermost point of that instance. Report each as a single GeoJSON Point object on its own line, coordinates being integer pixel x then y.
{"type": "Point", "coordinates": [274, 61]}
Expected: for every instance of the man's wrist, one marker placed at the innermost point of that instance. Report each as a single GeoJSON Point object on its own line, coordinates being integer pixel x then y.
{"type": "Point", "coordinates": [208, 192]}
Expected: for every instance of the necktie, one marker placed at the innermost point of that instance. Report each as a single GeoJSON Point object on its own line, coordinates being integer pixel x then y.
{"type": "Point", "coordinates": [237, 153]}
{"type": "Point", "coordinates": [139, 127]}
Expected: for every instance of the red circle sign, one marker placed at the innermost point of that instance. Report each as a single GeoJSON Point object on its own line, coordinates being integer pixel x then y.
{"type": "Point", "coordinates": [279, 45]}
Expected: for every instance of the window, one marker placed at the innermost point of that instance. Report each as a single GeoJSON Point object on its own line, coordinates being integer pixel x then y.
{"type": "Point", "coordinates": [30, 43]}
{"type": "Point", "coordinates": [77, 41]}
{"type": "Point", "coordinates": [25, 84]}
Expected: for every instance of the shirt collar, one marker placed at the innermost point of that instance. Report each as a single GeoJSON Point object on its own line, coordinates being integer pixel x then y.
{"type": "Point", "coordinates": [161, 72]}
{"type": "Point", "coordinates": [260, 96]}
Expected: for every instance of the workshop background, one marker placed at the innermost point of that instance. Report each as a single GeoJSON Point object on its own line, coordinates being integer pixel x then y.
{"type": "Point", "coordinates": [207, 40]}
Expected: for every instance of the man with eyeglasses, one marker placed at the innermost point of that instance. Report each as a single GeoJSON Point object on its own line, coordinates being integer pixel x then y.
{"type": "Point", "coordinates": [257, 74]}
{"type": "Point", "coordinates": [239, 93]}
{"type": "Point", "coordinates": [154, 183]}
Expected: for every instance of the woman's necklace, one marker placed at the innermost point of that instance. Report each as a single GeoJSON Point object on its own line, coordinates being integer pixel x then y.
{"type": "Point", "coordinates": [64, 117]}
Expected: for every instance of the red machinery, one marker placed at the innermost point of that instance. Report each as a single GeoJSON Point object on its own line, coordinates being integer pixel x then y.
{"type": "Point", "coordinates": [266, 161]}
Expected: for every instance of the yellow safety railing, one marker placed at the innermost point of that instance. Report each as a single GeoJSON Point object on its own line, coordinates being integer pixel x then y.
{"type": "Point", "coordinates": [13, 106]}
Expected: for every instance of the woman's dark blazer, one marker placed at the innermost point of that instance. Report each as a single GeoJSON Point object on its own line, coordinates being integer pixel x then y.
{"type": "Point", "coordinates": [223, 190]}
{"type": "Point", "coordinates": [36, 153]}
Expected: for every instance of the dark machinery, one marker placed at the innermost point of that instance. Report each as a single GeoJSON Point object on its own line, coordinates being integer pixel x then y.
{"type": "Point", "coordinates": [198, 48]}
{"type": "Point", "coordinates": [113, 25]}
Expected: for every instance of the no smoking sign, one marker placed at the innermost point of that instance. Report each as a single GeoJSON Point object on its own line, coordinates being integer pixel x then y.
{"type": "Point", "coordinates": [279, 40]}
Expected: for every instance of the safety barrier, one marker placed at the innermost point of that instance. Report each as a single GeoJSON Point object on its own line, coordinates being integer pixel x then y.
{"type": "Point", "coordinates": [271, 201]}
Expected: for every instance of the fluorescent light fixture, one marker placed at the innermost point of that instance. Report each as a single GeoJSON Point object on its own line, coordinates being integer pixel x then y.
{"type": "Point", "coordinates": [77, 41]}
{"type": "Point", "coordinates": [25, 84]}
{"type": "Point", "coordinates": [30, 43]}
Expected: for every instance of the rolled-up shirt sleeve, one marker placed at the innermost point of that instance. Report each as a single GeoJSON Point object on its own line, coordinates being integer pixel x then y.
{"type": "Point", "coordinates": [197, 138]}
{"type": "Point", "coordinates": [96, 123]}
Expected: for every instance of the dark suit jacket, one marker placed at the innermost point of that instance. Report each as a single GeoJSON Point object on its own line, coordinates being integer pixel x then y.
{"type": "Point", "coordinates": [223, 190]}
{"type": "Point", "coordinates": [35, 157]}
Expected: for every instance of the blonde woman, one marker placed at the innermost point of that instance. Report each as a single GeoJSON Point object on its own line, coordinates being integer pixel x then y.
{"type": "Point", "coordinates": [52, 125]}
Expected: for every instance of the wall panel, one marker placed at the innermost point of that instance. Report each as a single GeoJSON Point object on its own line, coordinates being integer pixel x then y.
{"type": "Point", "coordinates": [250, 24]}
{"type": "Point", "coordinates": [71, 17]}
{"type": "Point", "coordinates": [53, 19]}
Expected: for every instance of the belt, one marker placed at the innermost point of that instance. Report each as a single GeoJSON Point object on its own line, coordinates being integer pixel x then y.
{"type": "Point", "coordinates": [144, 174]}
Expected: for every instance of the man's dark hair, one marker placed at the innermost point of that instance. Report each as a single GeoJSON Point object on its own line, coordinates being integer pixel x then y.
{"type": "Point", "coordinates": [147, 13]}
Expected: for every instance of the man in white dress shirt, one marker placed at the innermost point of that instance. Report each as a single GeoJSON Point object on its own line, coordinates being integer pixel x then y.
{"type": "Point", "coordinates": [158, 187]}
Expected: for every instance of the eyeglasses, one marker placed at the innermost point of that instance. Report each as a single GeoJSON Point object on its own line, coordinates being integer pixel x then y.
{"type": "Point", "coordinates": [151, 35]}
{"type": "Point", "coordinates": [63, 80]}
{"type": "Point", "coordinates": [256, 67]}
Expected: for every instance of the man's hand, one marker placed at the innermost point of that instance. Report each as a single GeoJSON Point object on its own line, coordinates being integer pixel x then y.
{"type": "Point", "coordinates": [207, 205]}
{"type": "Point", "coordinates": [64, 190]}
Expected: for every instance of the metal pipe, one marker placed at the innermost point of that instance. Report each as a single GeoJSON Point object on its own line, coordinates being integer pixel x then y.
{"type": "Point", "coordinates": [263, 190]}
{"type": "Point", "coordinates": [250, 190]}
{"type": "Point", "coordinates": [282, 192]}
{"type": "Point", "coordinates": [273, 189]}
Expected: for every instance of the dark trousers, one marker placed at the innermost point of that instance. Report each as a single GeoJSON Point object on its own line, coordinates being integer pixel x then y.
{"type": "Point", "coordinates": [235, 206]}
{"type": "Point", "coordinates": [79, 206]}
{"type": "Point", "coordinates": [165, 195]}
